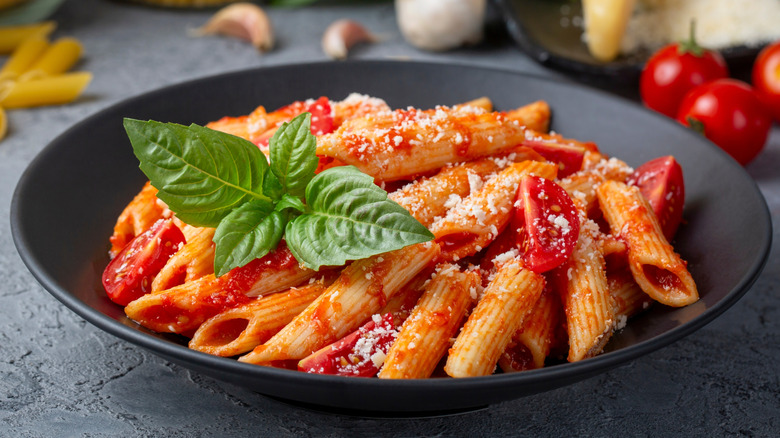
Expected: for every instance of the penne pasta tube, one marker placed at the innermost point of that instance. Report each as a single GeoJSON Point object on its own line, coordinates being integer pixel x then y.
{"type": "Point", "coordinates": [589, 307]}
{"type": "Point", "coordinates": [481, 102]}
{"type": "Point", "coordinates": [424, 337]}
{"type": "Point", "coordinates": [55, 90]}
{"type": "Point", "coordinates": [476, 220]}
{"type": "Point", "coordinates": [629, 297]}
{"type": "Point", "coordinates": [610, 169]}
{"type": "Point", "coordinates": [508, 298]}
{"type": "Point", "coordinates": [3, 124]}
{"type": "Point", "coordinates": [58, 58]}
{"type": "Point", "coordinates": [534, 116]}
{"type": "Point", "coordinates": [240, 329]}
{"type": "Point", "coordinates": [658, 270]}
{"type": "Point", "coordinates": [401, 304]}
{"type": "Point", "coordinates": [23, 58]}
{"type": "Point", "coordinates": [402, 144]}
{"type": "Point", "coordinates": [531, 344]}
{"type": "Point", "coordinates": [356, 105]}
{"type": "Point", "coordinates": [181, 309]}
{"type": "Point", "coordinates": [137, 217]}
{"type": "Point", "coordinates": [581, 187]}
{"type": "Point", "coordinates": [13, 36]}
{"type": "Point", "coordinates": [192, 261]}
{"type": "Point", "coordinates": [360, 291]}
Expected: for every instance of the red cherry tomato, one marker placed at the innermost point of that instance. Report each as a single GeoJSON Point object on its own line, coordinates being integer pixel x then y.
{"type": "Point", "coordinates": [676, 69]}
{"type": "Point", "coordinates": [568, 157]}
{"type": "Point", "coordinates": [661, 182]}
{"type": "Point", "coordinates": [730, 114]}
{"type": "Point", "coordinates": [129, 275]}
{"type": "Point", "coordinates": [321, 117]}
{"type": "Point", "coordinates": [552, 224]}
{"type": "Point", "coordinates": [357, 354]}
{"type": "Point", "coordinates": [766, 78]}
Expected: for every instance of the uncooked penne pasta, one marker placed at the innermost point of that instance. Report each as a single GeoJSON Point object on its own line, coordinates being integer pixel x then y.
{"type": "Point", "coordinates": [192, 261]}
{"type": "Point", "coordinates": [54, 90]}
{"type": "Point", "coordinates": [137, 217]}
{"type": "Point", "coordinates": [23, 58]}
{"type": "Point", "coordinates": [475, 221]}
{"type": "Point", "coordinates": [12, 36]}
{"type": "Point", "coordinates": [360, 291]}
{"type": "Point", "coordinates": [58, 58]}
{"type": "Point", "coordinates": [508, 298]}
{"type": "Point", "coordinates": [531, 344]}
{"type": "Point", "coordinates": [3, 123]}
{"type": "Point", "coordinates": [240, 329]}
{"type": "Point", "coordinates": [406, 143]}
{"type": "Point", "coordinates": [589, 307]}
{"type": "Point", "coordinates": [658, 270]}
{"type": "Point", "coordinates": [424, 337]}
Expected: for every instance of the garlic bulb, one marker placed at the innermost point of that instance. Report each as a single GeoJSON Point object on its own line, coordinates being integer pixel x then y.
{"type": "Point", "coordinates": [440, 24]}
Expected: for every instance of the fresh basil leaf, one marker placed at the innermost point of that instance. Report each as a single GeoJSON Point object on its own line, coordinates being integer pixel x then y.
{"type": "Point", "coordinates": [201, 174]}
{"type": "Point", "coordinates": [293, 154]}
{"type": "Point", "coordinates": [350, 218]}
{"type": "Point", "coordinates": [289, 202]}
{"type": "Point", "coordinates": [272, 187]}
{"type": "Point", "coordinates": [247, 233]}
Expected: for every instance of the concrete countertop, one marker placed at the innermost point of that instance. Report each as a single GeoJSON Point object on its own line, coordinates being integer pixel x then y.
{"type": "Point", "coordinates": [60, 376]}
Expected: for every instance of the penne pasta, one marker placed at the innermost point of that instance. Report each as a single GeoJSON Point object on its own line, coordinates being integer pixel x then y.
{"type": "Point", "coordinates": [508, 298]}
{"type": "Point", "coordinates": [629, 297]}
{"type": "Point", "coordinates": [589, 307]}
{"type": "Point", "coordinates": [240, 329]}
{"type": "Point", "coordinates": [534, 116]}
{"type": "Point", "coordinates": [23, 58]}
{"type": "Point", "coordinates": [193, 260]}
{"type": "Point", "coordinates": [362, 289]}
{"type": "Point", "coordinates": [139, 215]}
{"type": "Point", "coordinates": [532, 343]}
{"type": "Point", "coordinates": [58, 58]}
{"type": "Point", "coordinates": [13, 36]}
{"type": "Point", "coordinates": [55, 90]}
{"type": "Point", "coordinates": [658, 270]}
{"type": "Point", "coordinates": [424, 337]}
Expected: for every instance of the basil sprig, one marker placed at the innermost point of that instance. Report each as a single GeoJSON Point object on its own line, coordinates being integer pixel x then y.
{"type": "Point", "coordinates": [213, 179]}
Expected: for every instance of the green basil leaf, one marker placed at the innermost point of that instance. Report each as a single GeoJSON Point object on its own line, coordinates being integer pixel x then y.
{"type": "Point", "coordinates": [293, 154]}
{"type": "Point", "coordinates": [350, 218]}
{"type": "Point", "coordinates": [272, 187]}
{"type": "Point", "coordinates": [247, 233]}
{"type": "Point", "coordinates": [289, 202]}
{"type": "Point", "coordinates": [201, 174]}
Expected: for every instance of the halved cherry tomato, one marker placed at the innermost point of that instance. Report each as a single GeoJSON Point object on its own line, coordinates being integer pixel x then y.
{"type": "Point", "coordinates": [321, 117]}
{"type": "Point", "coordinates": [661, 182]}
{"type": "Point", "coordinates": [675, 70]}
{"type": "Point", "coordinates": [568, 157]}
{"type": "Point", "coordinates": [129, 275]}
{"type": "Point", "coordinates": [766, 78]}
{"type": "Point", "coordinates": [730, 114]}
{"type": "Point", "coordinates": [552, 224]}
{"type": "Point", "coordinates": [360, 353]}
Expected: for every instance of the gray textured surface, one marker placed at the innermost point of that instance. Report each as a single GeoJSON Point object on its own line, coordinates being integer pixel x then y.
{"type": "Point", "coordinates": [60, 376]}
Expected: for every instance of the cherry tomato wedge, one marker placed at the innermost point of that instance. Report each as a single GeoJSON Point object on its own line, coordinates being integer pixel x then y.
{"type": "Point", "coordinates": [730, 114]}
{"type": "Point", "coordinates": [552, 224]}
{"type": "Point", "coordinates": [568, 157]}
{"type": "Point", "coordinates": [766, 78]}
{"type": "Point", "coordinates": [321, 117]}
{"type": "Point", "coordinates": [129, 275]}
{"type": "Point", "coordinates": [360, 353]}
{"type": "Point", "coordinates": [661, 182]}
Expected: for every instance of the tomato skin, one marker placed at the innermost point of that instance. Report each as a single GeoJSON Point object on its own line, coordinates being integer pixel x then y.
{"type": "Point", "coordinates": [766, 78]}
{"type": "Point", "coordinates": [730, 115]}
{"type": "Point", "coordinates": [128, 276]}
{"type": "Point", "coordinates": [568, 157]}
{"type": "Point", "coordinates": [321, 117]}
{"type": "Point", "coordinates": [341, 358]}
{"type": "Point", "coordinates": [672, 72]}
{"type": "Point", "coordinates": [552, 224]}
{"type": "Point", "coordinates": [661, 182]}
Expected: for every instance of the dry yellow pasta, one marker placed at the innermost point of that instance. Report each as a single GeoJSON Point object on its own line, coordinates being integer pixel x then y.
{"type": "Point", "coordinates": [58, 58]}
{"type": "Point", "coordinates": [55, 90]}
{"type": "Point", "coordinates": [3, 124]}
{"type": "Point", "coordinates": [23, 57]}
{"type": "Point", "coordinates": [12, 36]}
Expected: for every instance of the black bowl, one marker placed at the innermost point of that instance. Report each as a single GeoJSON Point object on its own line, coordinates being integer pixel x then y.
{"type": "Point", "coordinates": [67, 200]}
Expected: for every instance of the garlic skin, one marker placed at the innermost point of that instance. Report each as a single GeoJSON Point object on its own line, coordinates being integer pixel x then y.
{"type": "Point", "coordinates": [341, 35]}
{"type": "Point", "coordinates": [440, 24]}
{"type": "Point", "coordinates": [245, 21]}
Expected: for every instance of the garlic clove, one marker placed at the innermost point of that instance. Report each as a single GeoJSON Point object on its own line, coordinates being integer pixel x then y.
{"type": "Point", "coordinates": [341, 35]}
{"type": "Point", "coordinates": [245, 21]}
